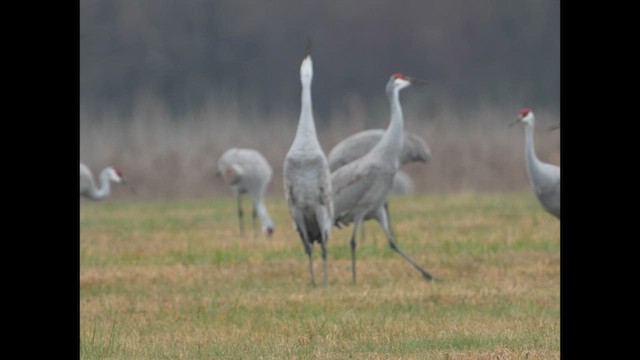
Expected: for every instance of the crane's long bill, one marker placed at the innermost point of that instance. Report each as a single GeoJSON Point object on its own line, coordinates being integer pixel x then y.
{"type": "Point", "coordinates": [515, 122]}
{"type": "Point", "coordinates": [415, 81]}
{"type": "Point", "coordinates": [307, 50]}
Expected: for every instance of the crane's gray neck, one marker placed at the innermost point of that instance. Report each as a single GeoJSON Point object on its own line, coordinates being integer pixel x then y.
{"type": "Point", "coordinates": [533, 163]}
{"type": "Point", "coordinates": [263, 214]}
{"type": "Point", "coordinates": [306, 132]}
{"type": "Point", "coordinates": [105, 187]}
{"type": "Point", "coordinates": [390, 145]}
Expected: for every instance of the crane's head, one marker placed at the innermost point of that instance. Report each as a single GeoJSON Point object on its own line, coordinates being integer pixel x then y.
{"type": "Point", "coordinates": [399, 81]}
{"type": "Point", "coordinates": [114, 174]}
{"type": "Point", "coordinates": [525, 116]}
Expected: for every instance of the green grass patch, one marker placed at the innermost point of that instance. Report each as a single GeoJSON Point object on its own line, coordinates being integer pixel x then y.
{"type": "Point", "coordinates": [175, 280]}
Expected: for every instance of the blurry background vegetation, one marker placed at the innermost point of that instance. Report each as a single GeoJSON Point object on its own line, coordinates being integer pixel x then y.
{"type": "Point", "coordinates": [166, 86]}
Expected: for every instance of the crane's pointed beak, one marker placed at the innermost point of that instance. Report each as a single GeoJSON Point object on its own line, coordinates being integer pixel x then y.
{"type": "Point", "coordinates": [415, 81]}
{"type": "Point", "coordinates": [515, 122]}
{"type": "Point", "coordinates": [307, 49]}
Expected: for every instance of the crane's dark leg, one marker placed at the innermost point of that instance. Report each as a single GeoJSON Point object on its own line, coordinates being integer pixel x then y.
{"type": "Point", "coordinates": [362, 231]}
{"type": "Point", "coordinates": [381, 216]}
{"type": "Point", "coordinates": [356, 223]}
{"type": "Point", "coordinates": [323, 245]}
{"type": "Point", "coordinates": [254, 215]}
{"type": "Point", "coordinates": [386, 210]}
{"type": "Point", "coordinates": [240, 215]}
{"type": "Point", "coordinates": [308, 248]}
{"type": "Point", "coordinates": [324, 222]}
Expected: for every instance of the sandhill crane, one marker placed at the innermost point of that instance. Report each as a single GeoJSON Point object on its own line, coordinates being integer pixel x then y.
{"type": "Point", "coordinates": [306, 178]}
{"type": "Point", "coordinates": [360, 187]}
{"type": "Point", "coordinates": [402, 184]}
{"type": "Point", "coordinates": [543, 177]}
{"type": "Point", "coordinates": [88, 187]}
{"type": "Point", "coordinates": [415, 149]}
{"type": "Point", "coordinates": [247, 171]}
{"type": "Point", "coordinates": [357, 145]}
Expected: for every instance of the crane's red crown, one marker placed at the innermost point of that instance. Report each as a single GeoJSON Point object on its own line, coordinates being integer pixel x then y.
{"type": "Point", "coordinates": [398, 76]}
{"type": "Point", "coordinates": [524, 112]}
{"type": "Point", "coordinates": [118, 171]}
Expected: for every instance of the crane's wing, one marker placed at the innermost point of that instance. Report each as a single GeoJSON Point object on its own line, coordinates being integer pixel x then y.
{"type": "Point", "coordinates": [266, 171]}
{"type": "Point", "coordinates": [415, 149]}
{"type": "Point", "coordinates": [307, 180]}
{"type": "Point", "coordinates": [289, 168]}
{"type": "Point", "coordinates": [326, 193]}
{"type": "Point", "coordinates": [359, 187]}
{"type": "Point", "coordinates": [547, 187]}
{"type": "Point", "coordinates": [359, 144]}
{"type": "Point", "coordinates": [353, 147]}
{"type": "Point", "coordinates": [547, 179]}
{"type": "Point", "coordinates": [308, 194]}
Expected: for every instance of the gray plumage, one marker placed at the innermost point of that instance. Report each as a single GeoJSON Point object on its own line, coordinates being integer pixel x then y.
{"type": "Point", "coordinates": [306, 178]}
{"type": "Point", "coordinates": [415, 148]}
{"type": "Point", "coordinates": [360, 188]}
{"type": "Point", "coordinates": [88, 187]}
{"type": "Point", "coordinates": [543, 177]}
{"type": "Point", "coordinates": [246, 171]}
{"type": "Point", "coordinates": [402, 184]}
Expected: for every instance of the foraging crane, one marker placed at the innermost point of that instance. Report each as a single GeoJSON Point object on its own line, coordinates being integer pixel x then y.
{"type": "Point", "coordinates": [543, 177]}
{"type": "Point", "coordinates": [357, 145]}
{"type": "Point", "coordinates": [306, 177]}
{"type": "Point", "coordinates": [247, 171]}
{"type": "Point", "coordinates": [402, 185]}
{"type": "Point", "coordinates": [88, 187]}
{"type": "Point", "coordinates": [360, 188]}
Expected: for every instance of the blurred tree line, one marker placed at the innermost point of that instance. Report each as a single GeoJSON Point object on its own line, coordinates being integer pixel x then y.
{"type": "Point", "coordinates": [500, 53]}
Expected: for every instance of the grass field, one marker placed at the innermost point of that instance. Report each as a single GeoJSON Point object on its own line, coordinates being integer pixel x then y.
{"type": "Point", "coordinates": [174, 280]}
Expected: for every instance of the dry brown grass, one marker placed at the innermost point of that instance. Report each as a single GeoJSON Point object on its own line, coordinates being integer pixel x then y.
{"type": "Point", "coordinates": [173, 279]}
